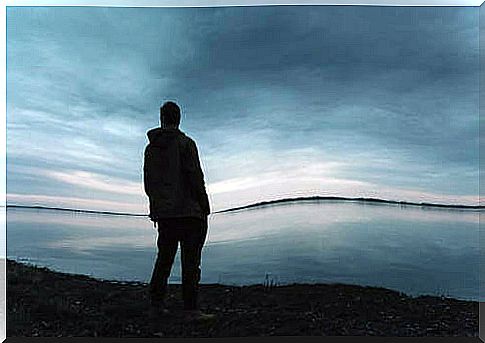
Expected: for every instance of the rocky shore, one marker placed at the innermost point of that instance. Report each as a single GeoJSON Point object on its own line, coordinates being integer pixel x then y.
{"type": "Point", "coordinates": [41, 302]}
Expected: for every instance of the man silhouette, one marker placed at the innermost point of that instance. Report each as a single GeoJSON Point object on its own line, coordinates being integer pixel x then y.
{"type": "Point", "coordinates": [179, 205]}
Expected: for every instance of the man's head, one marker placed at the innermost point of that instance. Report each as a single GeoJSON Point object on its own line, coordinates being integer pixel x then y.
{"type": "Point", "coordinates": [170, 114]}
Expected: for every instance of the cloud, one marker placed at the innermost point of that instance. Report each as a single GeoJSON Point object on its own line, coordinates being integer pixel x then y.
{"type": "Point", "coordinates": [281, 100]}
{"type": "Point", "coordinates": [100, 183]}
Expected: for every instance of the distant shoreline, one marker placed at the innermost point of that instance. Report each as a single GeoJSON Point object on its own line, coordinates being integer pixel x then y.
{"type": "Point", "coordinates": [347, 199]}
{"type": "Point", "coordinates": [271, 202]}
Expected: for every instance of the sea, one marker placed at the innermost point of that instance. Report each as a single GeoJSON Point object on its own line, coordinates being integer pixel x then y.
{"type": "Point", "coordinates": [417, 250]}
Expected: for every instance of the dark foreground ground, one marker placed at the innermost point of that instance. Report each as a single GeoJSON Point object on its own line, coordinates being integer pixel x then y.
{"type": "Point", "coordinates": [41, 302]}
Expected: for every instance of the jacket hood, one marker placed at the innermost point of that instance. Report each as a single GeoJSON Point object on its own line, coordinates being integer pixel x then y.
{"type": "Point", "coordinates": [159, 135]}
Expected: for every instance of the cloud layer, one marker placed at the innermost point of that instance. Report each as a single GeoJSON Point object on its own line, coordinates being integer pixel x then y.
{"type": "Point", "coordinates": [282, 101]}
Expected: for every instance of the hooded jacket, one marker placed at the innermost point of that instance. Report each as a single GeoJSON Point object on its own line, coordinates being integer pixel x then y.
{"type": "Point", "coordinates": [173, 178]}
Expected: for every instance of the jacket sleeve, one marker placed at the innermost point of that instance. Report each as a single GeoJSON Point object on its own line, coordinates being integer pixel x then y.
{"type": "Point", "coordinates": [196, 176]}
{"type": "Point", "coordinates": [146, 175]}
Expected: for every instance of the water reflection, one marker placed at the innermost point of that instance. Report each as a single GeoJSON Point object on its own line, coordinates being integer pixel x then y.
{"type": "Point", "coordinates": [416, 250]}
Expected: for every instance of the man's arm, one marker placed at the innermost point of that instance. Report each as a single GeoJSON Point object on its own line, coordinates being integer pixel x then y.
{"type": "Point", "coordinates": [196, 177]}
{"type": "Point", "coordinates": [146, 176]}
{"type": "Point", "coordinates": [147, 181]}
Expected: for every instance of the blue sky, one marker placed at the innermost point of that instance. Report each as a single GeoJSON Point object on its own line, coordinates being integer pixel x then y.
{"type": "Point", "coordinates": [282, 101]}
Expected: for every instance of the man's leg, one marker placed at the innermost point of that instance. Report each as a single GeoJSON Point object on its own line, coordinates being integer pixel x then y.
{"type": "Point", "coordinates": [167, 244]}
{"type": "Point", "coordinates": [193, 239]}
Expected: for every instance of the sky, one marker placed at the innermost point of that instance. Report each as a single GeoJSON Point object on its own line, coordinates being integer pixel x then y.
{"type": "Point", "coordinates": [283, 101]}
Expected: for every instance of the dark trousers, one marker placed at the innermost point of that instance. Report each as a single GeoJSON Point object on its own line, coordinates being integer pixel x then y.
{"type": "Point", "coordinates": [191, 233]}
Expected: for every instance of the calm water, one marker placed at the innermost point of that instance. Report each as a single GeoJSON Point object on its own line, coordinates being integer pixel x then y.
{"type": "Point", "coordinates": [415, 250]}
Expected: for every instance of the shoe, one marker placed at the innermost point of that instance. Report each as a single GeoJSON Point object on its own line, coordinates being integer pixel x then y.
{"type": "Point", "coordinates": [158, 311]}
{"type": "Point", "coordinates": [157, 307]}
{"type": "Point", "coordinates": [198, 315]}
{"type": "Point", "coordinates": [157, 301]}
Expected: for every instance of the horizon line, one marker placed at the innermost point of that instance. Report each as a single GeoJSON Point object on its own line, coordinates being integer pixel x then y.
{"type": "Point", "coordinates": [266, 203]}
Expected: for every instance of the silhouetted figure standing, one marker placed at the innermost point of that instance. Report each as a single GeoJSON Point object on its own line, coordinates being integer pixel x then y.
{"type": "Point", "coordinates": [179, 205]}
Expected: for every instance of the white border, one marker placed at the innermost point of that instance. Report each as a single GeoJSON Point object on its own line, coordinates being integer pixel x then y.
{"type": "Point", "coordinates": [219, 3]}
{"type": "Point", "coordinates": [3, 175]}
{"type": "Point", "coordinates": [144, 3]}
